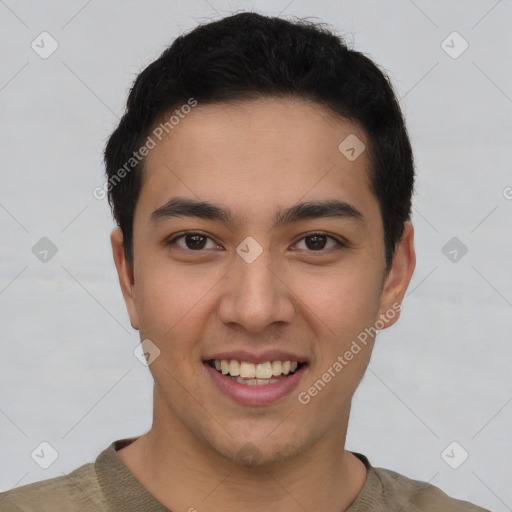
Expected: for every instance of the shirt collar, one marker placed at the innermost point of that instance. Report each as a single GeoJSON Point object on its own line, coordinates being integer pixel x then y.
{"type": "Point", "coordinates": [124, 492]}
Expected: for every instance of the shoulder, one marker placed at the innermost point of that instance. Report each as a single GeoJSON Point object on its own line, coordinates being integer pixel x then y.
{"type": "Point", "coordinates": [76, 491]}
{"type": "Point", "coordinates": [417, 496]}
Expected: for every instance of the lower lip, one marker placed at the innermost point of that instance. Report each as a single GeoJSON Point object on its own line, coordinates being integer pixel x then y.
{"type": "Point", "coordinates": [255, 395]}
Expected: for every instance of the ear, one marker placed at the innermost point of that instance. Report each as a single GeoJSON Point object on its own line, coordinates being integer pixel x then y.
{"type": "Point", "coordinates": [125, 274]}
{"type": "Point", "coordinates": [398, 278]}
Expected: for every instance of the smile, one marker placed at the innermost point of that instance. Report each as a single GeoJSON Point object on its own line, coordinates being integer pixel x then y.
{"type": "Point", "coordinates": [251, 374]}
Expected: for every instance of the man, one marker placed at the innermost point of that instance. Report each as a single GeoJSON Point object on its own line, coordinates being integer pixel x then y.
{"type": "Point", "coordinates": [261, 181]}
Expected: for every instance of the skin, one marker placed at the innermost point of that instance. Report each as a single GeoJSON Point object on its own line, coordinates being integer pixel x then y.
{"type": "Point", "coordinates": [255, 158]}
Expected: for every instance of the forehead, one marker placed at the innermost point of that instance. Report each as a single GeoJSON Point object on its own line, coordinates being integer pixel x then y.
{"type": "Point", "coordinates": [257, 155]}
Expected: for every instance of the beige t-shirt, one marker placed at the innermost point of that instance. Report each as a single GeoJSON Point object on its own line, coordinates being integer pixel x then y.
{"type": "Point", "coordinates": [107, 485]}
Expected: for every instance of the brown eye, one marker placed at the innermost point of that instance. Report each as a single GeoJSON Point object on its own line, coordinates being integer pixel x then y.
{"type": "Point", "coordinates": [317, 242]}
{"type": "Point", "coordinates": [195, 241]}
{"type": "Point", "coordinates": [192, 241]}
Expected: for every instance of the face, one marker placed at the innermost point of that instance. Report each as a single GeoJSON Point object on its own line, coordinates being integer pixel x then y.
{"type": "Point", "coordinates": [260, 281]}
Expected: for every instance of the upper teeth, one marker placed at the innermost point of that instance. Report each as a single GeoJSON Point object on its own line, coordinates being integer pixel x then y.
{"type": "Point", "coordinates": [247, 370]}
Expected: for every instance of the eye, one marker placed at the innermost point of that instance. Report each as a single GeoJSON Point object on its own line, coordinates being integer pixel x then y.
{"type": "Point", "coordinates": [193, 241]}
{"type": "Point", "coordinates": [316, 242]}
{"type": "Point", "coordinates": [196, 241]}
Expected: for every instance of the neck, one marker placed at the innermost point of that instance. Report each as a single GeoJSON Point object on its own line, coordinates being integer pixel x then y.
{"type": "Point", "coordinates": [185, 474]}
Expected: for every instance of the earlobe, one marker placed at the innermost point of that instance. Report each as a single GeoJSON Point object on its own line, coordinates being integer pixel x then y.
{"type": "Point", "coordinates": [125, 275]}
{"type": "Point", "coordinates": [398, 278]}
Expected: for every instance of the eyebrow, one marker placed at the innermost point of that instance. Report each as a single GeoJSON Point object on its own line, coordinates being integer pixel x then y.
{"type": "Point", "coordinates": [185, 207]}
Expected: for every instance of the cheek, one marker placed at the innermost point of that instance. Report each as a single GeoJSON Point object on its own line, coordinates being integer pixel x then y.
{"type": "Point", "coordinates": [170, 301]}
{"type": "Point", "coordinates": [340, 307]}
{"type": "Point", "coordinates": [343, 301]}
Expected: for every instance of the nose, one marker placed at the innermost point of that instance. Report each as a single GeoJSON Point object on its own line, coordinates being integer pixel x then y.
{"type": "Point", "coordinates": [256, 295]}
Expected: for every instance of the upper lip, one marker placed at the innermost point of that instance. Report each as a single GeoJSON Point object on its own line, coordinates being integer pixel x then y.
{"type": "Point", "coordinates": [251, 357]}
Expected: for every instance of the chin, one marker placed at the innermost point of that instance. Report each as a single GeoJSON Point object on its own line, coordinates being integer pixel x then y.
{"type": "Point", "coordinates": [261, 453]}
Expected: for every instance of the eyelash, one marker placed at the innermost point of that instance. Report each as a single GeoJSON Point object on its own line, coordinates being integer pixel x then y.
{"type": "Point", "coordinates": [339, 243]}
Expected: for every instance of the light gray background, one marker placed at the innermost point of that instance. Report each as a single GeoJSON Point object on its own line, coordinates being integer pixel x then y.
{"type": "Point", "coordinates": [68, 374]}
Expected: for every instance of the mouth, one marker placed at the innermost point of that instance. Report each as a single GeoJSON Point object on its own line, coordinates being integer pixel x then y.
{"type": "Point", "coordinates": [255, 383]}
{"type": "Point", "coordinates": [255, 374]}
